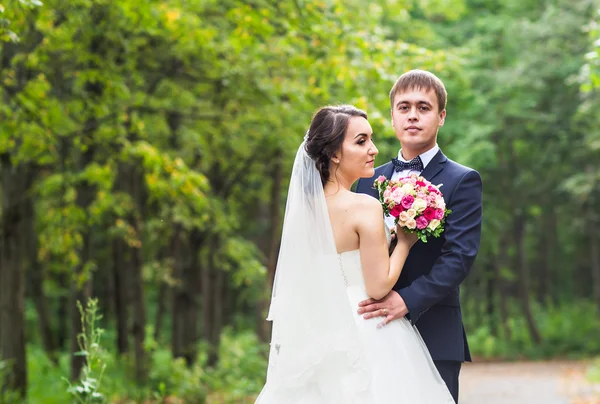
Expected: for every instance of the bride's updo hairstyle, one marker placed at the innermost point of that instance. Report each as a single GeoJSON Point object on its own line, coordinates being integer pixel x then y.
{"type": "Point", "coordinates": [326, 135]}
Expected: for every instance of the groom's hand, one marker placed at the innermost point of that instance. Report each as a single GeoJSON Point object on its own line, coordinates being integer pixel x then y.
{"type": "Point", "coordinates": [390, 307]}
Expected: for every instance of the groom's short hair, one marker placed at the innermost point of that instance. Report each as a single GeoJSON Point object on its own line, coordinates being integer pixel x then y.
{"type": "Point", "coordinates": [420, 80]}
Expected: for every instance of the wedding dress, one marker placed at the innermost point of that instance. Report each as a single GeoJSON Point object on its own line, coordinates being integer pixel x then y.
{"type": "Point", "coordinates": [322, 350]}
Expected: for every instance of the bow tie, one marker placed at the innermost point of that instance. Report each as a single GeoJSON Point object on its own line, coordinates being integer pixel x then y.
{"type": "Point", "coordinates": [414, 165]}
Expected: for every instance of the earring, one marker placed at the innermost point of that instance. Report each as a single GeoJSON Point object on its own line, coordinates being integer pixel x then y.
{"type": "Point", "coordinates": [336, 161]}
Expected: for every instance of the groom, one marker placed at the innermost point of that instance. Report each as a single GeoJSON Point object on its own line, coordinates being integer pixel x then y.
{"type": "Point", "coordinates": [427, 292]}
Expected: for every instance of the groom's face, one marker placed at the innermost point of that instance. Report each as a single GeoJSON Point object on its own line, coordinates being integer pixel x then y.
{"type": "Point", "coordinates": [416, 118]}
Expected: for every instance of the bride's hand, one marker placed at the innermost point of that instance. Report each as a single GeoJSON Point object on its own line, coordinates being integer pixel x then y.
{"type": "Point", "coordinates": [405, 238]}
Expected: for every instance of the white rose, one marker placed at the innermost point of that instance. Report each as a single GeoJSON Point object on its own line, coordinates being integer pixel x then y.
{"type": "Point", "coordinates": [403, 217]}
{"type": "Point", "coordinates": [411, 213]}
{"type": "Point", "coordinates": [439, 202]}
{"type": "Point", "coordinates": [419, 205]}
{"type": "Point", "coordinates": [433, 224]}
{"type": "Point", "coordinates": [407, 189]}
{"type": "Point", "coordinates": [411, 224]}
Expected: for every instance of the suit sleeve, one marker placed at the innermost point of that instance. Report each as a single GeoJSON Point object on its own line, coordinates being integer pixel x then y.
{"type": "Point", "coordinates": [360, 186]}
{"type": "Point", "coordinates": [462, 233]}
{"type": "Point", "coordinates": [365, 186]}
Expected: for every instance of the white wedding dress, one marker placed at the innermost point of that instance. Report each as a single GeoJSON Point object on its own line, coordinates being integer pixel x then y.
{"type": "Point", "coordinates": [322, 350]}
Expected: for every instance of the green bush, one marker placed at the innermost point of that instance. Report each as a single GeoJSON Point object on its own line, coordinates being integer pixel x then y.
{"type": "Point", "coordinates": [242, 368]}
{"type": "Point", "coordinates": [567, 331]}
{"type": "Point", "coordinates": [238, 377]}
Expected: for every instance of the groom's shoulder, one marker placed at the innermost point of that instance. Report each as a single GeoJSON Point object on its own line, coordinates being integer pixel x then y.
{"type": "Point", "coordinates": [365, 185]}
{"type": "Point", "coordinates": [459, 170]}
{"type": "Point", "coordinates": [380, 170]}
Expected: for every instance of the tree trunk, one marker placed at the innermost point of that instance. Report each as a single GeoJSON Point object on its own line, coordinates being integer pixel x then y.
{"type": "Point", "coordinates": [178, 295]}
{"type": "Point", "coordinates": [209, 291]}
{"type": "Point", "coordinates": [594, 256]}
{"type": "Point", "coordinates": [139, 309]}
{"type": "Point", "coordinates": [121, 301]}
{"type": "Point", "coordinates": [542, 268]}
{"type": "Point", "coordinates": [161, 309]}
{"type": "Point", "coordinates": [217, 320]}
{"type": "Point", "coordinates": [522, 264]}
{"type": "Point", "coordinates": [193, 286]}
{"type": "Point", "coordinates": [36, 279]}
{"type": "Point", "coordinates": [501, 263]}
{"type": "Point", "coordinates": [551, 250]}
{"type": "Point", "coordinates": [131, 180]}
{"type": "Point", "coordinates": [490, 296]}
{"type": "Point", "coordinates": [12, 278]}
{"type": "Point", "coordinates": [81, 281]}
{"type": "Point", "coordinates": [80, 292]}
{"type": "Point", "coordinates": [186, 296]}
{"type": "Point", "coordinates": [264, 327]}
{"type": "Point", "coordinates": [62, 313]}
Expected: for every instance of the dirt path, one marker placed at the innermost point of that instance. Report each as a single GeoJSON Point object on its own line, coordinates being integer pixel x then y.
{"type": "Point", "coordinates": [527, 383]}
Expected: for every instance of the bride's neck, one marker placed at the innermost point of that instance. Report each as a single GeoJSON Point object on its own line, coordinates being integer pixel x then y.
{"type": "Point", "coordinates": [334, 185]}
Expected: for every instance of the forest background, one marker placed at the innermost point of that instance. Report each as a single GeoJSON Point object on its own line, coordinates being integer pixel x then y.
{"type": "Point", "coordinates": [145, 152]}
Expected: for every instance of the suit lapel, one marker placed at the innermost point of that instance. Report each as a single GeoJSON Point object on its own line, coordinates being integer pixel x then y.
{"type": "Point", "coordinates": [388, 170]}
{"type": "Point", "coordinates": [435, 166]}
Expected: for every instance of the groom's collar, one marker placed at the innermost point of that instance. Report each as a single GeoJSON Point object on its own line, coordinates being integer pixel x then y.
{"type": "Point", "coordinates": [426, 157]}
{"type": "Point", "coordinates": [435, 165]}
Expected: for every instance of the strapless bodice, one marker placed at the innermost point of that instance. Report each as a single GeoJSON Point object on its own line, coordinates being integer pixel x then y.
{"type": "Point", "coordinates": [352, 268]}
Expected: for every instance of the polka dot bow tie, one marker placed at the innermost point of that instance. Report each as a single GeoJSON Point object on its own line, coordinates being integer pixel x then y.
{"type": "Point", "coordinates": [414, 165]}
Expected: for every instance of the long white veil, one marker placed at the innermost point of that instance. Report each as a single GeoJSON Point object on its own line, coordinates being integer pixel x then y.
{"type": "Point", "coordinates": [315, 345]}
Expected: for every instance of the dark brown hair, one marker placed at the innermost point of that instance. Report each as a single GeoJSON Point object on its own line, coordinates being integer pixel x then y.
{"type": "Point", "coordinates": [326, 134]}
{"type": "Point", "coordinates": [420, 80]}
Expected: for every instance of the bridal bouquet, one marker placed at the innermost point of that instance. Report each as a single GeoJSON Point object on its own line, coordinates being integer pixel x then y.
{"type": "Point", "coordinates": [416, 205]}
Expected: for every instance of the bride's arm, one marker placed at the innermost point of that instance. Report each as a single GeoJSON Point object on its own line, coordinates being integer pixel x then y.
{"type": "Point", "coordinates": [380, 270]}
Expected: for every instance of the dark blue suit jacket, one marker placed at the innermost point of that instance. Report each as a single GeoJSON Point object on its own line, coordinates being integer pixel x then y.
{"type": "Point", "coordinates": [430, 279]}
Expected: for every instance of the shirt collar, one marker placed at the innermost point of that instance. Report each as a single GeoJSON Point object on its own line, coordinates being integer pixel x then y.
{"type": "Point", "coordinates": [426, 157]}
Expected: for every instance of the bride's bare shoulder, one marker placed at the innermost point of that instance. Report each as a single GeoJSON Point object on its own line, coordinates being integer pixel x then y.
{"type": "Point", "coordinates": [366, 204]}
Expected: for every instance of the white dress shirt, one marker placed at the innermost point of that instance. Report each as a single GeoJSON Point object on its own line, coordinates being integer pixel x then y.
{"type": "Point", "coordinates": [425, 158]}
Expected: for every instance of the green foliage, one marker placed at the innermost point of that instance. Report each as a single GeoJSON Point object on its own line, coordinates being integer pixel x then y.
{"type": "Point", "coordinates": [154, 123]}
{"type": "Point", "coordinates": [241, 372]}
{"type": "Point", "coordinates": [8, 12]}
{"type": "Point", "coordinates": [87, 389]}
{"type": "Point", "coordinates": [7, 396]}
{"type": "Point", "coordinates": [568, 330]}
{"type": "Point", "coordinates": [238, 378]}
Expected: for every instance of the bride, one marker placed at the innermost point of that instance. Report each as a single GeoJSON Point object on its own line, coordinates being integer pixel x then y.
{"type": "Point", "coordinates": [334, 254]}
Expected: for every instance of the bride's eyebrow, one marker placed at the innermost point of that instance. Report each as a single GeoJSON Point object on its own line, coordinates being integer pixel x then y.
{"type": "Point", "coordinates": [361, 134]}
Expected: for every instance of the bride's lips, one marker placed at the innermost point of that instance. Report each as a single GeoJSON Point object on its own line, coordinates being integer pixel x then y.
{"type": "Point", "coordinates": [370, 162]}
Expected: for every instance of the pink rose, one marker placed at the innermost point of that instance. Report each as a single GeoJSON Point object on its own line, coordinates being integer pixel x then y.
{"type": "Point", "coordinates": [420, 183]}
{"type": "Point", "coordinates": [439, 214]}
{"type": "Point", "coordinates": [380, 179]}
{"type": "Point", "coordinates": [422, 222]}
{"type": "Point", "coordinates": [433, 189]}
{"type": "Point", "coordinates": [429, 214]}
{"type": "Point", "coordinates": [396, 211]}
{"type": "Point", "coordinates": [407, 201]}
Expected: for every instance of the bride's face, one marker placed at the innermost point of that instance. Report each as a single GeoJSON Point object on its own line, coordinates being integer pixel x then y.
{"type": "Point", "coordinates": [356, 158]}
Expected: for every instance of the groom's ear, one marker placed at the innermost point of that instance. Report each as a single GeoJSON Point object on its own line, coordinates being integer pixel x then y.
{"type": "Point", "coordinates": [442, 118]}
